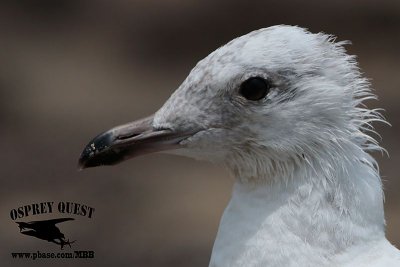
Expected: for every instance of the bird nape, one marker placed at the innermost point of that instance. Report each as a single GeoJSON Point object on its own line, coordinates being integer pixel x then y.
{"type": "Point", "coordinates": [281, 108]}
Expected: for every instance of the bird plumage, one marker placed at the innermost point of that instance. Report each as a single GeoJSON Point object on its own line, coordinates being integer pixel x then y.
{"type": "Point", "coordinates": [307, 192]}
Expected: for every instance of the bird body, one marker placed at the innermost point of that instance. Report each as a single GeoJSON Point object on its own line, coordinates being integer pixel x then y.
{"type": "Point", "coordinates": [282, 109]}
{"type": "Point", "coordinates": [298, 225]}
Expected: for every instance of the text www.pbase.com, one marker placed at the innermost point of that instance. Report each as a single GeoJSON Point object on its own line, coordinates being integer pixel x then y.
{"type": "Point", "coordinates": [83, 254]}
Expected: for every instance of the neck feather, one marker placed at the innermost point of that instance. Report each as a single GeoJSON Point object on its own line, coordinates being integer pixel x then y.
{"type": "Point", "coordinates": [322, 204]}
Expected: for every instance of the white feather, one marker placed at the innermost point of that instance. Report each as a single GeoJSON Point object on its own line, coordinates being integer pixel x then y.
{"type": "Point", "coordinates": [307, 193]}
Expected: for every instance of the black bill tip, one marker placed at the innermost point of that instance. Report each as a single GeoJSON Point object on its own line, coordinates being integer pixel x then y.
{"type": "Point", "coordinates": [99, 152]}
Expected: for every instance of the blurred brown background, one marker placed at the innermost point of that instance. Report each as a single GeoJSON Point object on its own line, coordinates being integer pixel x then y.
{"type": "Point", "coordinates": [70, 69]}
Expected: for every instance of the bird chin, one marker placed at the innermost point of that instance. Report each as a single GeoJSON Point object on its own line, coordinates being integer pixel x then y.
{"type": "Point", "coordinates": [214, 156]}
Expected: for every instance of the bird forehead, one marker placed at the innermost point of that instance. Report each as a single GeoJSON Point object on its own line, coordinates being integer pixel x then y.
{"type": "Point", "coordinates": [274, 50]}
{"type": "Point", "coordinates": [220, 64]}
{"type": "Point", "coordinates": [271, 48]}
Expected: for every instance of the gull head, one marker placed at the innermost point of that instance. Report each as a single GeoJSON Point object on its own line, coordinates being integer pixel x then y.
{"type": "Point", "coordinates": [264, 104]}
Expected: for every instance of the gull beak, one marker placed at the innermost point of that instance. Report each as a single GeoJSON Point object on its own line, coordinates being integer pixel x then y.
{"type": "Point", "coordinates": [128, 141]}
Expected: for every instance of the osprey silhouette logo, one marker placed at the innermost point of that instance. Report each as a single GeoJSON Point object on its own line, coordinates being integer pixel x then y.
{"type": "Point", "coordinates": [46, 230]}
{"type": "Point", "coordinates": [49, 229]}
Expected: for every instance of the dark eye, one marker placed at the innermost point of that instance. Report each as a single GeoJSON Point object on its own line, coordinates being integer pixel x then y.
{"type": "Point", "coordinates": [254, 88]}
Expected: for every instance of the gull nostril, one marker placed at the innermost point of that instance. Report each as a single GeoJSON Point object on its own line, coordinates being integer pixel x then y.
{"type": "Point", "coordinates": [131, 135]}
{"type": "Point", "coordinates": [126, 136]}
{"type": "Point", "coordinates": [158, 129]}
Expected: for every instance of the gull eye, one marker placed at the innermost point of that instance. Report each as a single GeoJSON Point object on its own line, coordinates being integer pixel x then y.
{"type": "Point", "coordinates": [254, 88]}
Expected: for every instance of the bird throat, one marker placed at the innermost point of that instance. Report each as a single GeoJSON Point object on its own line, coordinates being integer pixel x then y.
{"type": "Point", "coordinates": [308, 216]}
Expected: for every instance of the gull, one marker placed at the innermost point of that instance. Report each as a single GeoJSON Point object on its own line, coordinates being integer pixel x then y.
{"type": "Point", "coordinates": [282, 108]}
